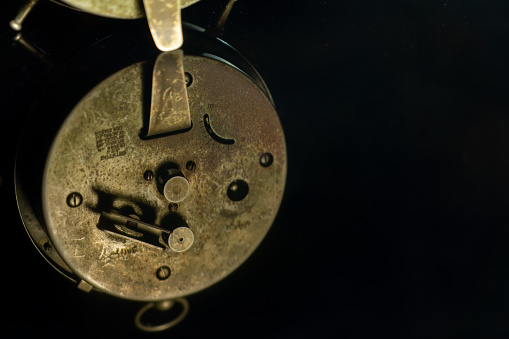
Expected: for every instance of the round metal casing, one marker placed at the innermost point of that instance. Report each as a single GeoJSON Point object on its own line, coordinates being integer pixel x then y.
{"type": "Point", "coordinates": [98, 153]}
{"type": "Point", "coordinates": [120, 9]}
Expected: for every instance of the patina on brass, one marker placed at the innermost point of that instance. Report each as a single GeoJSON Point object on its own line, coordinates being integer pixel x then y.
{"type": "Point", "coordinates": [169, 107]}
{"type": "Point", "coordinates": [165, 24]}
{"type": "Point", "coordinates": [121, 9]}
{"type": "Point", "coordinates": [98, 153]}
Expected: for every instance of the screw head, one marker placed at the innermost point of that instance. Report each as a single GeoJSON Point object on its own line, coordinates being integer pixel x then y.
{"type": "Point", "coordinates": [266, 159]}
{"type": "Point", "coordinates": [74, 199]}
{"type": "Point", "coordinates": [163, 273]}
{"type": "Point", "coordinates": [190, 165]}
{"type": "Point", "coordinates": [173, 207]}
{"type": "Point", "coordinates": [148, 175]}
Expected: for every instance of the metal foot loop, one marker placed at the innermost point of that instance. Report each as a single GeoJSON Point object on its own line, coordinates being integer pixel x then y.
{"type": "Point", "coordinates": [161, 306]}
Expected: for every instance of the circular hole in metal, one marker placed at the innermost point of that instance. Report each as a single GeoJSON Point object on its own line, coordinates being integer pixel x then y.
{"type": "Point", "coordinates": [163, 273]}
{"type": "Point", "coordinates": [148, 175]}
{"type": "Point", "coordinates": [190, 165]}
{"type": "Point", "coordinates": [46, 246]}
{"type": "Point", "coordinates": [266, 159]}
{"type": "Point", "coordinates": [74, 199]}
{"type": "Point", "coordinates": [237, 190]}
{"type": "Point", "coordinates": [188, 78]}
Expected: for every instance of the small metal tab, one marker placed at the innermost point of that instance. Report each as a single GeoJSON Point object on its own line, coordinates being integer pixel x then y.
{"type": "Point", "coordinates": [84, 286]}
{"type": "Point", "coordinates": [169, 108]}
{"type": "Point", "coordinates": [165, 24]}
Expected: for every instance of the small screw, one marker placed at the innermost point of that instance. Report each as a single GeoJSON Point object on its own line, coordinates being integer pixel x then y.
{"type": "Point", "coordinates": [74, 199]}
{"type": "Point", "coordinates": [148, 175]}
{"type": "Point", "coordinates": [163, 273]}
{"type": "Point", "coordinates": [46, 246]}
{"type": "Point", "coordinates": [188, 79]}
{"type": "Point", "coordinates": [173, 207]}
{"type": "Point", "coordinates": [191, 165]}
{"type": "Point", "coordinates": [266, 159]}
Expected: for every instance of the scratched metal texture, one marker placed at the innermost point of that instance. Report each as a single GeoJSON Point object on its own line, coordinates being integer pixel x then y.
{"type": "Point", "coordinates": [122, 9]}
{"type": "Point", "coordinates": [98, 152]}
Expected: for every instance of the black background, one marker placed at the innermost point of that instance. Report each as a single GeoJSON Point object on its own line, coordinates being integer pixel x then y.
{"type": "Point", "coordinates": [394, 221]}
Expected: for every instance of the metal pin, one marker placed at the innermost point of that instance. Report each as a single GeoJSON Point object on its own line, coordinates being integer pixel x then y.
{"type": "Point", "coordinates": [224, 16]}
{"type": "Point", "coordinates": [36, 51]}
{"type": "Point", "coordinates": [22, 14]}
{"type": "Point", "coordinates": [219, 26]}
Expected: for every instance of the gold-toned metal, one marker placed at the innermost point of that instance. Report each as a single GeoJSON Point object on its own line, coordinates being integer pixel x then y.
{"type": "Point", "coordinates": [224, 16]}
{"type": "Point", "coordinates": [121, 9]}
{"type": "Point", "coordinates": [16, 24]}
{"type": "Point", "coordinates": [99, 154]}
{"type": "Point", "coordinates": [181, 239]}
{"type": "Point", "coordinates": [84, 286]}
{"type": "Point", "coordinates": [133, 229]}
{"type": "Point", "coordinates": [162, 306]}
{"type": "Point", "coordinates": [176, 189]}
{"type": "Point", "coordinates": [165, 24]}
{"type": "Point", "coordinates": [169, 107]}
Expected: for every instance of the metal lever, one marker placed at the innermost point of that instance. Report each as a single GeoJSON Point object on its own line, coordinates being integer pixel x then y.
{"type": "Point", "coordinates": [165, 24]}
{"type": "Point", "coordinates": [169, 107]}
{"type": "Point", "coordinates": [134, 229]}
{"type": "Point", "coordinates": [180, 240]}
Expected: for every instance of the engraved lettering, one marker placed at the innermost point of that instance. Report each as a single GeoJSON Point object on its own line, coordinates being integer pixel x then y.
{"type": "Point", "coordinates": [124, 252]}
{"type": "Point", "coordinates": [239, 225]}
{"type": "Point", "coordinates": [110, 141]}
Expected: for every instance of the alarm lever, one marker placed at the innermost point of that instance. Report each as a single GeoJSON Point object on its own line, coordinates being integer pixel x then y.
{"type": "Point", "coordinates": [165, 23]}
{"type": "Point", "coordinates": [169, 107]}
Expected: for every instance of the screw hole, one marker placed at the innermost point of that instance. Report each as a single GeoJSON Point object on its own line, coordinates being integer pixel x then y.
{"type": "Point", "coordinates": [266, 159]}
{"type": "Point", "coordinates": [74, 199]}
{"type": "Point", "coordinates": [163, 273]}
{"type": "Point", "coordinates": [46, 246]}
{"type": "Point", "coordinates": [237, 190]}
{"type": "Point", "coordinates": [148, 175]}
{"type": "Point", "coordinates": [188, 78]}
{"type": "Point", "coordinates": [190, 165]}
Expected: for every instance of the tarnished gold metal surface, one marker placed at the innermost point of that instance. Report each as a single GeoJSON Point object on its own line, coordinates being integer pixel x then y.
{"type": "Point", "coordinates": [169, 107]}
{"type": "Point", "coordinates": [234, 194]}
{"type": "Point", "coordinates": [123, 9]}
{"type": "Point", "coordinates": [181, 239]}
{"type": "Point", "coordinates": [165, 24]}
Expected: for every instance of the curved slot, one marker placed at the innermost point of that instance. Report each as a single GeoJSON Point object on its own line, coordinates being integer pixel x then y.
{"type": "Point", "coordinates": [213, 134]}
